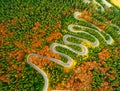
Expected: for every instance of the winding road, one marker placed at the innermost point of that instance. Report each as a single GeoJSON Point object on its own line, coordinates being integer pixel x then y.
{"type": "Point", "coordinates": [84, 51]}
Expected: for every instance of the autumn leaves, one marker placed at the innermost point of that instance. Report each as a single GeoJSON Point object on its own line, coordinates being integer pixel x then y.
{"type": "Point", "coordinates": [41, 62]}
{"type": "Point", "coordinates": [53, 36]}
{"type": "Point", "coordinates": [88, 17]}
{"type": "Point", "coordinates": [85, 75]}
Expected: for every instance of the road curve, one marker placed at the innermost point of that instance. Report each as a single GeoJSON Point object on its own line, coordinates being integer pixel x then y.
{"type": "Point", "coordinates": [65, 45]}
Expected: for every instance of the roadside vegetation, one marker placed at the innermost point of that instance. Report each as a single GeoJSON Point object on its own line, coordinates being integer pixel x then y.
{"type": "Point", "coordinates": [28, 26]}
